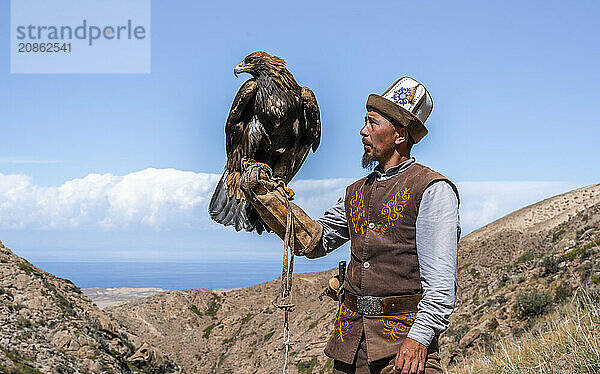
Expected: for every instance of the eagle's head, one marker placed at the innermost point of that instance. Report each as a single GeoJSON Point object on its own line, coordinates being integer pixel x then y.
{"type": "Point", "coordinates": [263, 64]}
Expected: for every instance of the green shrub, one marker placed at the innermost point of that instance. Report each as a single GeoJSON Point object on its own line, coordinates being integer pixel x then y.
{"type": "Point", "coordinates": [308, 366]}
{"type": "Point", "coordinates": [23, 322]}
{"type": "Point", "coordinates": [525, 257]}
{"type": "Point", "coordinates": [562, 292]}
{"type": "Point", "coordinates": [194, 309]}
{"type": "Point", "coordinates": [550, 265]}
{"type": "Point", "coordinates": [247, 318]}
{"type": "Point", "coordinates": [557, 235]}
{"type": "Point", "coordinates": [458, 332]}
{"type": "Point", "coordinates": [213, 306]}
{"type": "Point", "coordinates": [269, 335]}
{"type": "Point", "coordinates": [28, 268]}
{"type": "Point", "coordinates": [581, 250]}
{"type": "Point", "coordinates": [207, 331]}
{"type": "Point", "coordinates": [505, 278]}
{"type": "Point", "coordinates": [585, 271]}
{"type": "Point", "coordinates": [65, 305]}
{"type": "Point", "coordinates": [532, 304]}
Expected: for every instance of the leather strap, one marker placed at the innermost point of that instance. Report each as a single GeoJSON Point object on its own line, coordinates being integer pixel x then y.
{"type": "Point", "coordinates": [372, 305]}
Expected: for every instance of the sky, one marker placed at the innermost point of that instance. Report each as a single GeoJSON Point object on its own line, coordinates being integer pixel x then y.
{"type": "Point", "coordinates": [121, 166]}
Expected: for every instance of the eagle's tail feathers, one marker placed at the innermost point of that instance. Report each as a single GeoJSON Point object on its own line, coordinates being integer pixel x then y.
{"type": "Point", "coordinates": [241, 221]}
{"type": "Point", "coordinates": [219, 198]}
{"type": "Point", "coordinates": [229, 207]}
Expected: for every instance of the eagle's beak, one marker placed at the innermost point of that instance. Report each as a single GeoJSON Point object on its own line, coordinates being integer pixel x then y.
{"type": "Point", "coordinates": [242, 68]}
{"type": "Point", "coordinates": [239, 69]}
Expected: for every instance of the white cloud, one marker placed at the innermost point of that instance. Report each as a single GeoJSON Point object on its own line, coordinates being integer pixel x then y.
{"type": "Point", "coordinates": [154, 198]}
{"type": "Point", "coordinates": [164, 199]}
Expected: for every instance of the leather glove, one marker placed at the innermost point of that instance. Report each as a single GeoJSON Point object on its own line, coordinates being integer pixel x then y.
{"type": "Point", "coordinates": [271, 199]}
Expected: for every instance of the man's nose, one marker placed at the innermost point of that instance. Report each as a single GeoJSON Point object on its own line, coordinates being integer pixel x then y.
{"type": "Point", "coordinates": [364, 131]}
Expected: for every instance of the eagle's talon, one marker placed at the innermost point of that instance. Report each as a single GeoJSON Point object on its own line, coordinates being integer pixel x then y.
{"type": "Point", "coordinates": [288, 191]}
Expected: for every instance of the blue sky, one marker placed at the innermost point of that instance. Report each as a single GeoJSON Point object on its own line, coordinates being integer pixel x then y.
{"type": "Point", "coordinates": [122, 165]}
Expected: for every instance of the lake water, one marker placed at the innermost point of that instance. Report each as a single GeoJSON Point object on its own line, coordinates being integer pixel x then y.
{"type": "Point", "coordinates": [178, 275]}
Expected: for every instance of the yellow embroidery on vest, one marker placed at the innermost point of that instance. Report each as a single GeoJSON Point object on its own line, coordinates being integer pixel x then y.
{"type": "Point", "coordinates": [392, 210]}
{"type": "Point", "coordinates": [357, 213]}
{"type": "Point", "coordinates": [342, 322]}
{"type": "Point", "coordinates": [398, 326]}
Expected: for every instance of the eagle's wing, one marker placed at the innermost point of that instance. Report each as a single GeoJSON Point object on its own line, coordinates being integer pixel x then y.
{"type": "Point", "coordinates": [228, 205]}
{"type": "Point", "coordinates": [309, 134]}
{"type": "Point", "coordinates": [239, 117]}
{"type": "Point", "coordinates": [236, 135]}
{"type": "Point", "coordinates": [312, 117]}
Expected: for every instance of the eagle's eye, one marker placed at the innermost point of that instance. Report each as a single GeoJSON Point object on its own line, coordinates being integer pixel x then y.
{"type": "Point", "coordinates": [248, 60]}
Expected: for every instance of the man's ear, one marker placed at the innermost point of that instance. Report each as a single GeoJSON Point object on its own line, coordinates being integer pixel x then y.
{"type": "Point", "coordinates": [401, 135]}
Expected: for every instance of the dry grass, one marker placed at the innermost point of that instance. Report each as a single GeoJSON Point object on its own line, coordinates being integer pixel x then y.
{"type": "Point", "coordinates": [567, 342]}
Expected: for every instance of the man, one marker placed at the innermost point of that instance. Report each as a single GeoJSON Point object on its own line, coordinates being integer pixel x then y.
{"type": "Point", "coordinates": [402, 221]}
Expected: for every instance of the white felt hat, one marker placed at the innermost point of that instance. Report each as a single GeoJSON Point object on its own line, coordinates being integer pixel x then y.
{"type": "Point", "coordinates": [408, 103]}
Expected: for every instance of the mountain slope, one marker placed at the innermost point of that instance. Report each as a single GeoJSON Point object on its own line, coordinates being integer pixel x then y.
{"type": "Point", "coordinates": [235, 331]}
{"type": "Point", "coordinates": [521, 266]}
{"type": "Point", "coordinates": [47, 325]}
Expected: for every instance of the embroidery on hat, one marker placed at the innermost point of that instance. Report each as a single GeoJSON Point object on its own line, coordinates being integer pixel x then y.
{"type": "Point", "coordinates": [392, 210]}
{"type": "Point", "coordinates": [342, 322]}
{"type": "Point", "coordinates": [404, 95]}
{"type": "Point", "coordinates": [395, 327]}
{"type": "Point", "coordinates": [357, 213]}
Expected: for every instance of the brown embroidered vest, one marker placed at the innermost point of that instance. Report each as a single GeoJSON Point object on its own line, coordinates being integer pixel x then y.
{"type": "Point", "coordinates": [381, 220]}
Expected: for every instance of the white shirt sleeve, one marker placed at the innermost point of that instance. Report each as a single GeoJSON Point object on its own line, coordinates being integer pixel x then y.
{"type": "Point", "coordinates": [437, 233]}
{"type": "Point", "coordinates": [335, 226]}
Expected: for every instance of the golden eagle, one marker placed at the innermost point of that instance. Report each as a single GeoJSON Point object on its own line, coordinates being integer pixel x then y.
{"type": "Point", "coordinates": [272, 120]}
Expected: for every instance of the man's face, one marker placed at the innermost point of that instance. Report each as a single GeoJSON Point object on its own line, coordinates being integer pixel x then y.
{"type": "Point", "coordinates": [378, 137]}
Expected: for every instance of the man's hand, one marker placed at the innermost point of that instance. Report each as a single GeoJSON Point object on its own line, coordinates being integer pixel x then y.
{"type": "Point", "coordinates": [410, 358]}
{"type": "Point", "coordinates": [257, 178]}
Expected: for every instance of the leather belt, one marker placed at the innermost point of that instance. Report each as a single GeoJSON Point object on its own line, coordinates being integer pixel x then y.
{"type": "Point", "coordinates": [375, 306]}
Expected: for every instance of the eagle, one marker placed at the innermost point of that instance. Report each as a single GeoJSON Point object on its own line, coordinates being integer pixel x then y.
{"type": "Point", "coordinates": [273, 121]}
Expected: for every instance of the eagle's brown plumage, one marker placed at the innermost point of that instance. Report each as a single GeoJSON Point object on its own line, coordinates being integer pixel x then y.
{"type": "Point", "coordinates": [272, 120]}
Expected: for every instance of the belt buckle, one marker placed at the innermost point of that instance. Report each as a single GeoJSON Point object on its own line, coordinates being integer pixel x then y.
{"type": "Point", "coordinates": [369, 305]}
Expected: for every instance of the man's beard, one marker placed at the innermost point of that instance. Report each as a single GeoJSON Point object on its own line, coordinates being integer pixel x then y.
{"type": "Point", "coordinates": [368, 160]}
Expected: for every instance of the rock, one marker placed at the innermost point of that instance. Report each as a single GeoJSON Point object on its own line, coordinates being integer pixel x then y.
{"type": "Point", "coordinates": [469, 337]}
{"type": "Point", "coordinates": [63, 340]}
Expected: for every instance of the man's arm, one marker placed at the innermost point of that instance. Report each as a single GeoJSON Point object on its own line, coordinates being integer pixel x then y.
{"type": "Point", "coordinates": [311, 238]}
{"type": "Point", "coordinates": [335, 228]}
{"type": "Point", "coordinates": [437, 231]}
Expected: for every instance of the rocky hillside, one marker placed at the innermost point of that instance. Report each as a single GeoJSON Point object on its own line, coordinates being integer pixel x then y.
{"type": "Point", "coordinates": [237, 331]}
{"type": "Point", "coordinates": [522, 266]}
{"type": "Point", "coordinates": [48, 326]}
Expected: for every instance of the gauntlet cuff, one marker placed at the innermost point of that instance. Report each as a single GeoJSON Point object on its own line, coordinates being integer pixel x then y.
{"type": "Point", "coordinates": [273, 207]}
